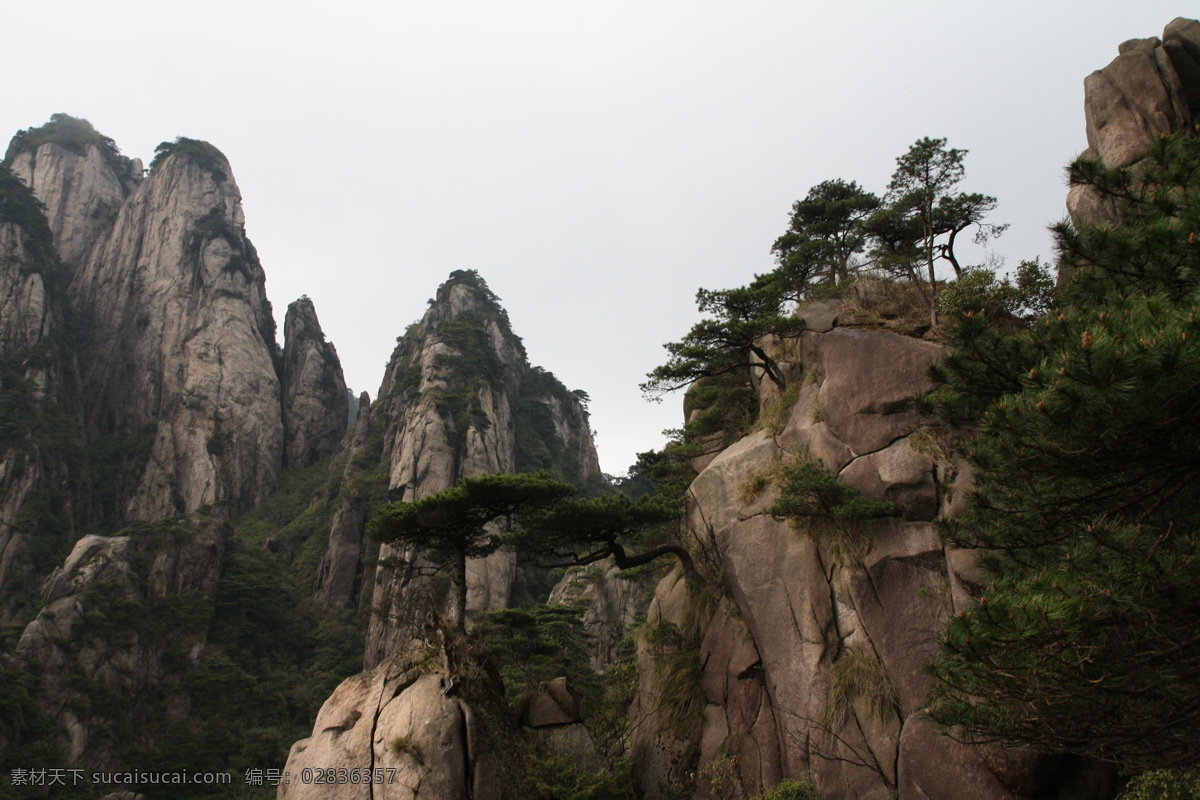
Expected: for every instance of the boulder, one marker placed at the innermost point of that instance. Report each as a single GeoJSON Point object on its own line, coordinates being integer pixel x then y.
{"type": "Point", "coordinates": [552, 703]}
{"type": "Point", "coordinates": [1132, 101]}
{"type": "Point", "coordinates": [403, 718]}
{"type": "Point", "coordinates": [935, 766]}
{"type": "Point", "coordinates": [1151, 89]}
{"type": "Point", "coordinates": [899, 475]}
{"type": "Point", "coordinates": [821, 315]}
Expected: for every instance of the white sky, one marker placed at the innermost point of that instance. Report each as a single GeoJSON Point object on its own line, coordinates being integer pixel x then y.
{"type": "Point", "coordinates": [597, 162]}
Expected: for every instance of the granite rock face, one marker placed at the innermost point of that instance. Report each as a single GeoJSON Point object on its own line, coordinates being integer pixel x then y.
{"type": "Point", "coordinates": [315, 404]}
{"type": "Point", "coordinates": [811, 662]}
{"type": "Point", "coordinates": [1133, 101]}
{"type": "Point", "coordinates": [1151, 89]}
{"type": "Point", "coordinates": [406, 718]}
{"type": "Point", "coordinates": [180, 341]}
{"type": "Point", "coordinates": [701, 719]}
{"type": "Point", "coordinates": [82, 185]}
{"type": "Point", "coordinates": [173, 334]}
{"type": "Point", "coordinates": [37, 384]}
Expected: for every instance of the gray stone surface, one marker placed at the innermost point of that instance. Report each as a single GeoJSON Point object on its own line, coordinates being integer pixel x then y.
{"type": "Point", "coordinates": [870, 380]}
{"type": "Point", "coordinates": [81, 193]}
{"type": "Point", "coordinates": [1132, 101]}
{"type": "Point", "coordinates": [1152, 88]}
{"type": "Point", "coordinates": [899, 475]}
{"type": "Point", "coordinates": [821, 316]}
{"type": "Point", "coordinates": [180, 342]}
{"type": "Point", "coordinates": [314, 390]}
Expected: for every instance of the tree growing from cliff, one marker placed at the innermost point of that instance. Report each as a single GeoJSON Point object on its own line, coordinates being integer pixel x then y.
{"type": "Point", "coordinates": [825, 237]}
{"type": "Point", "coordinates": [461, 523]}
{"type": "Point", "coordinates": [584, 531]}
{"type": "Point", "coordinates": [731, 340]}
{"type": "Point", "coordinates": [1083, 428]}
{"type": "Point", "coordinates": [922, 216]}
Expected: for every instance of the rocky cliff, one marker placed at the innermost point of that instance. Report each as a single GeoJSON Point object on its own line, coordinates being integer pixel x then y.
{"type": "Point", "coordinates": [79, 176]}
{"type": "Point", "coordinates": [38, 400]}
{"type": "Point", "coordinates": [807, 644]}
{"type": "Point", "coordinates": [807, 661]}
{"type": "Point", "coordinates": [181, 339]}
{"type": "Point", "coordinates": [180, 344]}
{"type": "Point", "coordinates": [1151, 89]}
{"type": "Point", "coordinates": [418, 727]}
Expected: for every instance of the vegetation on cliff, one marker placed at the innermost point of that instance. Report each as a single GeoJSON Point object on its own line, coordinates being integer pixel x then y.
{"type": "Point", "coordinates": [538, 644]}
{"type": "Point", "coordinates": [461, 522]}
{"type": "Point", "coordinates": [200, 152]}
{"type": "Point", "coordinates": [19, 207]}
{"type": "Point", "coordinates": [837, 233]}
{"type": "Point", "coordinates": [71, 133]}
{"type": "Point", "coordinates": [1082, 427]}
{"type": "Point", "coordinates": [39, 438]}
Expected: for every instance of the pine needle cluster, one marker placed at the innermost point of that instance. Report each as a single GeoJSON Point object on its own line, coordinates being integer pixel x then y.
{"type": "Point", "coordinates": [1083, 426]}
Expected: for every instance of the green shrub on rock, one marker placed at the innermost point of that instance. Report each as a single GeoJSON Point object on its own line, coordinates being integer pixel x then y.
{"type": "Point", "coordinates": [788, 789]}
{"type": "Point", "coordinates": [1163, 784]}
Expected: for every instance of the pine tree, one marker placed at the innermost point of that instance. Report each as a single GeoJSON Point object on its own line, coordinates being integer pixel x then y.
{"type": "Point", "coordinates": [923, 216]}
{"type": "Point", "coordinates": [1083, 428]}
{"type": "Point", "coordinates": [460, 523]}
{"type": "Point", "coordinates": [583, 531]}
{"type": "Point", "coordinates": [825, 237]}
{"type": "Point", "coordinates": [731, 340]}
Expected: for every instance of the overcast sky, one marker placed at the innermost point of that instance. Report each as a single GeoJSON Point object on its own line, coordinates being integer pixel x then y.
{"type": "Point", "coordinates": [596, 162]}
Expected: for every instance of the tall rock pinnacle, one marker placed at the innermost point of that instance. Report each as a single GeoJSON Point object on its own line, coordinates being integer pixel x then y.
{"type": "Point", "coordinates": [315, 403]}
{"type": "Point", "coordinates": [180, 339]}
{"type": "Point", "coordinates": [77, 173]}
